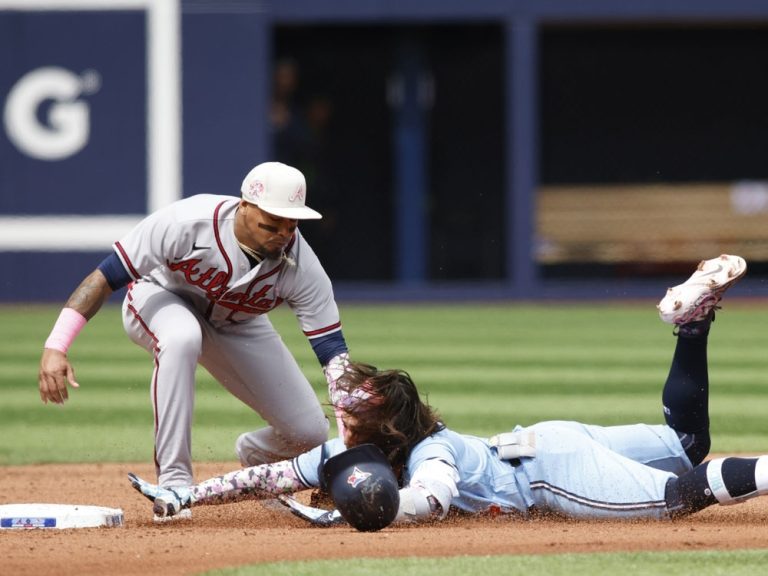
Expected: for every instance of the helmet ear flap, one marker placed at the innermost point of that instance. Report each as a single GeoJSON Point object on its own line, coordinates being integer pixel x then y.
{"type": "Point", "coordinates": [363, 487]}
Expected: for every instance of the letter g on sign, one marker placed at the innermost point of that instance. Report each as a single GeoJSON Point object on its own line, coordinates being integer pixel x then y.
{"type": "Point", "coordinates": [65, 129]}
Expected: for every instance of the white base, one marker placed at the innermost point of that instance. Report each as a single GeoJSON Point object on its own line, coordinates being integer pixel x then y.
{"type": "Point", "coordinates": [27, 516]}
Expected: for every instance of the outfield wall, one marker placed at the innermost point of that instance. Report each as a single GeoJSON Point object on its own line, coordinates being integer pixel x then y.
{"type": "Point", "coordinates": [114, 108]}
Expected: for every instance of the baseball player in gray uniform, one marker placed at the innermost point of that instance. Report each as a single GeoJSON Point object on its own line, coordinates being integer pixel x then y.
{"type": "Point", "coordinates": [568, 468]}
{"type": "Point", "coordinates": [202, 274]}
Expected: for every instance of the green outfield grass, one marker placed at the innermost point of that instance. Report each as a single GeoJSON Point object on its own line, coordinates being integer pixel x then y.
{"type": "Point", "coordinates": [738, 563]}
{"type": "Point", "coordinates": [484, 367]}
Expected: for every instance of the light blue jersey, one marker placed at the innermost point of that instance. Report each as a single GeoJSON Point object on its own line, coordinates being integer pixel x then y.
{"type": "Point", "coordinates": [579, 470]}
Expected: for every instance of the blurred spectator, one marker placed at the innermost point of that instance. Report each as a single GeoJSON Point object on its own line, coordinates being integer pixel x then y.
{"type": "Point", "coordinates": [289, 129]}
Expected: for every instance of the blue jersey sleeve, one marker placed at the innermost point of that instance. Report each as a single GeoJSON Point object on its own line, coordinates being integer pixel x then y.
{"type": "Point", "coordinates": [308, 464]}
{"type": "Point", "coordinates": [114, 271]}
{"type": "Point", "coordinates": [436, 447]}
{"type": "Point", "coordinates": [327, 347]}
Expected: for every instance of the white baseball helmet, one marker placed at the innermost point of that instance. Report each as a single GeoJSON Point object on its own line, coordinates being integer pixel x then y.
{"type": "Point", "coordinates": [278, 189]}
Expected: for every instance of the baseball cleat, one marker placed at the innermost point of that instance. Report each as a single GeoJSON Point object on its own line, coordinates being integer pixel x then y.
{"type": "Point", "coordinates": [167, 502]}
{"type": "Point", "coordinates": [172, 502]}
{"type": "Point", "coordinates": [697, 297]}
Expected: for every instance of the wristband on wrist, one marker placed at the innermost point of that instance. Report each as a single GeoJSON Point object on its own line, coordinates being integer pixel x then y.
{"type": "Point", "coordinates": [65, 330]}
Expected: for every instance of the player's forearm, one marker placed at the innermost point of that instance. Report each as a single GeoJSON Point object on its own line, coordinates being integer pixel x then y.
{"type": "Point", "coordinates": [255, 482]}
{"type": "Point", "coordinates": [90, 295]}
{"type": "Point", "coordinates": [333, 370]}
{"type": "Point", "coordinates": [84, 302]}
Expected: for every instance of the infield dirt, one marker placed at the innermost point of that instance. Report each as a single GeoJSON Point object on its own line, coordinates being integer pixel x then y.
{"type": "Point", "coordinates": [264, 531]}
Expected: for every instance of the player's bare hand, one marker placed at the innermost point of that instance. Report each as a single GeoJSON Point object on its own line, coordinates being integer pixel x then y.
{"type": "Point", "coordinates": [55, 373]}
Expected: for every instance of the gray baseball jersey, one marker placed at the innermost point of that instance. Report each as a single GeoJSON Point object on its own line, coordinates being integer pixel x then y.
{"type": "Point", "coordinates": [189, 248]}
{"type": "Point", "coordinates": [195, 298]}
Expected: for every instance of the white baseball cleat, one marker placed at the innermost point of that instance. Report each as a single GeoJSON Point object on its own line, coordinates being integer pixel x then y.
{"type": "Point", "coordinates": [170, 503]}
{"type": "Point", "coordinates": [694, 299]}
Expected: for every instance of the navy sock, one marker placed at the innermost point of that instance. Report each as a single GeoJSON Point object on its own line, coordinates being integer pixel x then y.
{"type": "Point", "coordinates": [699, 329]}
{"type": "Point", "coordinates": [686, 396]}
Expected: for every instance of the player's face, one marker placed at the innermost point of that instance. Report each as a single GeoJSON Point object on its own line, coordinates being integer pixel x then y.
{"type": "Point", "coordinates": [349, 425]}
{"type": "Point", "coordinates": [267, 234]}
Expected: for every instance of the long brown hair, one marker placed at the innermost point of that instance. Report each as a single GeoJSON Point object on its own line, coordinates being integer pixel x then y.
{"type": "Point", "coordinates": [387, 409]}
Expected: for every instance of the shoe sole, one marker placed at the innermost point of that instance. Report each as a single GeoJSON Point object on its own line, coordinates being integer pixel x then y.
{"type": "Point", "coordinates": [695, 297]}
{"type": "Point", "coordinates": [181, 516]}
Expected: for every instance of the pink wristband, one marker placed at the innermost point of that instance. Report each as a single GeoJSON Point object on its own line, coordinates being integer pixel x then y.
{"type": "Point", "coordinates": [65, 330]}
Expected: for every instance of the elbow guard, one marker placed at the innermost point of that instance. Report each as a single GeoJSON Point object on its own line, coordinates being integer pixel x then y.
{"type": "Point", "coordinates": [429, 493]}
{"type": "Point", "coordinates": [416, 503]}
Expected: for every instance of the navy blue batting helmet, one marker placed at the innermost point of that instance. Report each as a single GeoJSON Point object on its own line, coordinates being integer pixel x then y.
{"type": "Point", "coordinates": [363, 487]}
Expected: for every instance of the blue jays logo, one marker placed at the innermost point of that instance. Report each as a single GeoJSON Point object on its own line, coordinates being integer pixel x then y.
{"type": "Point", "coordinates": [357, 477]}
